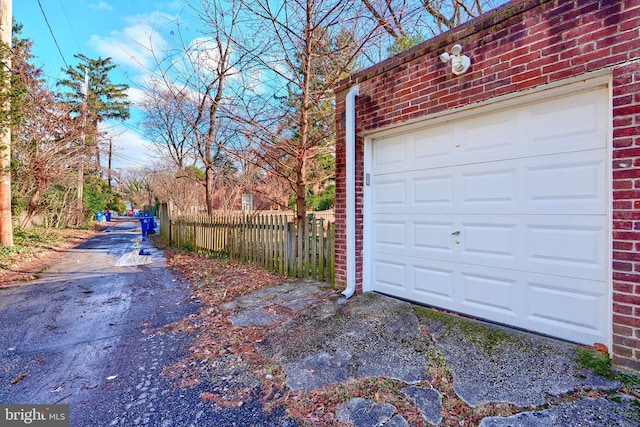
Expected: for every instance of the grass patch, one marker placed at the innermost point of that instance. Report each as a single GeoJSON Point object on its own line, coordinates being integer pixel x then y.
{"type": "Point", "coordinates": [485, 338]}
{"type": "Point", "coordinates": [600, 364]}
{"type": "Point", "coordinates": [26, 242]}
{"type": "Point", "coordinates": [455, 411]}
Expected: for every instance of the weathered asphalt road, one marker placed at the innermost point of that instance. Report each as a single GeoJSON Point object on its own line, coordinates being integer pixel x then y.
{"type": "Point", "coordinates": [87, 333]}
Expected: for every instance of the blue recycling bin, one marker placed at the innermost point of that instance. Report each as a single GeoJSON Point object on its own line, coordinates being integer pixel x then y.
{"type": "Point", "coordinates": [146, 224]}
{"type": "Point", "coordinates": [100, 216]}
{"type": "Point", "coordinates": [107, 215]}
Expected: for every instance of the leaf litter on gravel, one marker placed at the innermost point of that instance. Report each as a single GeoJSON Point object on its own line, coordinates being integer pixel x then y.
{"type": "Point", "coordinates": [220, 351]}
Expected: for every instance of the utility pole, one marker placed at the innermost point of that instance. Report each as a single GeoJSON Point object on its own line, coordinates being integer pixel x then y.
{"type": "Point", "coordinates": [6, 228]}
{"type": "Point", "coordinates": [109, 167]}
{"type": "Point", "coordinates": [83, 89]}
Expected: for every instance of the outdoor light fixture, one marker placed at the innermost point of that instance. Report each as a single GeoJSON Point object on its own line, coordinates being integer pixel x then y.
{"type": "Point", "coordinates": [459, 63]}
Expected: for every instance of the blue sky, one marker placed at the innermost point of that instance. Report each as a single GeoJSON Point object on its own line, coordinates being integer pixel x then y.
{"type": "Point", "coordinates": [120, 29]}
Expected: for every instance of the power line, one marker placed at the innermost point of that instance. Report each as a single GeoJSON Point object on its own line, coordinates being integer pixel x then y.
{"type": "Point", "coordinates": [52, 35]}
{"type": "Point", "coordinates": [64, 11]}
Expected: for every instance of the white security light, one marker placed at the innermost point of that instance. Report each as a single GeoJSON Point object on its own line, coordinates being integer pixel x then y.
{"type": "Point", "coordinates": [459, 63]}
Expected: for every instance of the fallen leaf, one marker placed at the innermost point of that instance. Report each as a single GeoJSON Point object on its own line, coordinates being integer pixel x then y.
{"type": "Point", "coordinates": [601, 348]}
{"type": "Point", "coordinates": [18, 379]}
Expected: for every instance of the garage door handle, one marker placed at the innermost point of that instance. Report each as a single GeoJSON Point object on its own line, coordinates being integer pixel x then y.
{"type": "Point", "coordinates": [456, 233]}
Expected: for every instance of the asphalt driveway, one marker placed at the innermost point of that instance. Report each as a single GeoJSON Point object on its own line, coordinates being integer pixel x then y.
{"type": "Point", "coordinates": [88, 333]}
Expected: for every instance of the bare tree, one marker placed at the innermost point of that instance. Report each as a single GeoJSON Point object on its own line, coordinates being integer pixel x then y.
{"type": "Point", "coordinates": [136, 185]}
{"type": "Point", "coordinates": [408, 22]}
{"type": "Point", "coordinates": [46, 141]}
{"type": "Point", "coordinates": [194, 79]}
{"type": "Point", "coordinates": [186, 193]}
{"type": "Point", "coordinates": [305, 49]}
{"type": "Point", "coordinates": [451, 13]}
{"type": "Point", "coordinates": [166, 123]}
{"type": "Point", "coordinates": [391, 15]}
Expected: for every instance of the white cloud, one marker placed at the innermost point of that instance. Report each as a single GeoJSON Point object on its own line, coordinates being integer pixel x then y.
{"type": "Point", "coordinates": [136, 96]}
{"type": "Point", "coordinates": [130, 149]}
{"type": "Point", "coordinates": [135, 44]}
{"type": "Point", "coordinates": [101, 5]}
{"type": "Point", "coordinates": [203, 53]}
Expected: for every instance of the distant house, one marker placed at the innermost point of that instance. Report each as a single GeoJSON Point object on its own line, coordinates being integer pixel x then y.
{"type": "Point", "coordinates": [509, 191]}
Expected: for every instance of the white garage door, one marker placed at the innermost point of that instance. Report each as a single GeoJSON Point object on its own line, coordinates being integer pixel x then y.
{"type": "Point", "coordinates": [502, 216]}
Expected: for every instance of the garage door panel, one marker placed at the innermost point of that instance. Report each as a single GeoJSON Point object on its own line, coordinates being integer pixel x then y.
{"type": "Point", "coordinates": [532, 243]}
{"type": "Point", "coordinates": [526, 243]}
{"type": "Point", "coordinates": [495, 187]}
{"type": "Point", "coordinates": [567, 308]}
{"type": "Point", "coordinates": [491, 241]}
{"type": "Point", "coordinates": [487, 136]}
{"type": "Point", "coordinates": [558, 250]}
{"type": "Point", "coordinates": [391, 154]}
{"type": "Point", "coordinates": [539, 185]}
{"type": "Point", "coordinates": [568, 181]}
{"type": "Point", "coordinates": [501, 216]}
{"type": "Point", "coordinates": [551, 127]}
{"type": "Point", "coordinates": [430, 237]}
{"type": "Point", "coordinates": [390, 234]}
{"type": "Point", "coordinates": [578, 303]}
{"type": "Point", "coordinates": [434, 283]}
{"type": "Point", "coordinates": [435, 144]}
{"type": "Point", "coordinates": [389, 274]}
{"type": "Point", "coordinates": [433, 236]}
{"type": "Point", "coordinates": [490, 293]}
{"type": "Point", "coordinates": [433, 280]}
{"type": "Point", "coordinates": [433, 191]}
{"type": "Point", "coordinates": [581, 247]}
{"type": "Point", "coordinates": [390, 193]}
{"type": "Point", "coordinates": [576, 122]}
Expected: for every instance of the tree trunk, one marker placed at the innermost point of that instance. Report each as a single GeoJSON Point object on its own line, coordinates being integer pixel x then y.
{"type": "Point", "coordinates": [34, 201]}
{"type": "Point", "coordinates": [301, 193]}
{"type": "Point", "coordinates": [208, 189]}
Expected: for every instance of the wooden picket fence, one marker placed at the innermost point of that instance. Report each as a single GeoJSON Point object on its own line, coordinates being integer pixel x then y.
{"type": "Point", "coordinates": [268, 240]}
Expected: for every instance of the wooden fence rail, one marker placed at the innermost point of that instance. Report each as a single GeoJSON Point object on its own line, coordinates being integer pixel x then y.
{"type": "Point", "coordinates": [267, 240]}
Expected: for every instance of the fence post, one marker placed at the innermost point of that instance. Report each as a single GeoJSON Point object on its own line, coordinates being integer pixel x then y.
{"type": "Point", "coordinates": [291, 249]}
{"type": "Point", "coordinates": [299, 249]}
{"type": "Point", "coordinates": [321, 252]}
{"type": "Point", "coordinates": [282, 242]}
{"type": "Point", "coordinates": [331, 239]}
{"type": "Point", "coordinates": [313, 265]}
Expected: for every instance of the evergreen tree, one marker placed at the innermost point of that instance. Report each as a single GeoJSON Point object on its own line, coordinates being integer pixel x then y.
{"type": "Point", "coordinates": [105, 100]}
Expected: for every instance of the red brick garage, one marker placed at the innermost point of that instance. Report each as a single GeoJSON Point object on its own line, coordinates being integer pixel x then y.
{"type": "Point", "coordinates": [508, 192]}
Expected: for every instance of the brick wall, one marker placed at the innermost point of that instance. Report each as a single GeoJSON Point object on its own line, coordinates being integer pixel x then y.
{"type": "Point", "coordinates": [520, 46]}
